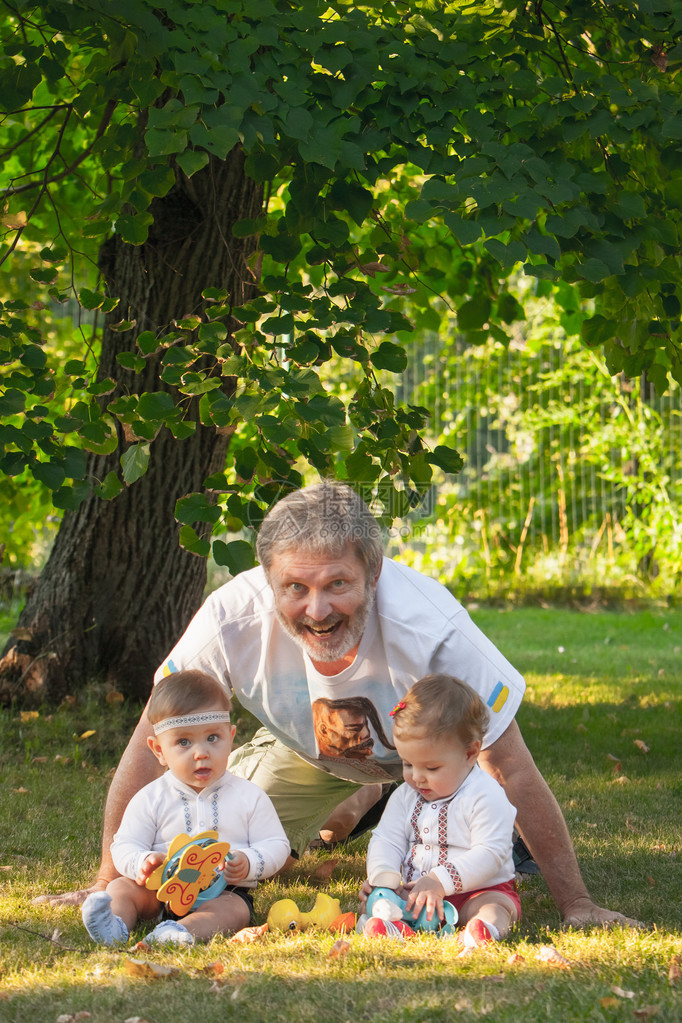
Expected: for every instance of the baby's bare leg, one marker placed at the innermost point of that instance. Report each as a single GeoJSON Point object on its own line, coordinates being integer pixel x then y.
{"type": "Point", "coordinates": [227, 913]}
{"type": "Point", "coordinates": [131, 902]}
{"type": "Point", "coordinates": [492, 908]}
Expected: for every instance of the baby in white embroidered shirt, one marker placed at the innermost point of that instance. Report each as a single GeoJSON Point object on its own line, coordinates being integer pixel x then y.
{"type": "Point", "coordinates": [447, 833]}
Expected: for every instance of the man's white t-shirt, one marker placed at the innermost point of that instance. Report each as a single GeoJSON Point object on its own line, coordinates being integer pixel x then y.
{"type": "Point", "coordinates": [342, 723]}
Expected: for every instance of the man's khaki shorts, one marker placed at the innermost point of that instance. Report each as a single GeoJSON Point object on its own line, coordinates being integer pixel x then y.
{"type": "Point", "coordinates": [303, 796]}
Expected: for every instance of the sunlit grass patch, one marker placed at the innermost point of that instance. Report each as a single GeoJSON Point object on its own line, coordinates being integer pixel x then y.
{"type": "Point", "coordinates": [582, 727]}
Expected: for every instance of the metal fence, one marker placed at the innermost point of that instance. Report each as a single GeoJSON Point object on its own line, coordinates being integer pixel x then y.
{"type": "Point", "coordinates": [562, 460]}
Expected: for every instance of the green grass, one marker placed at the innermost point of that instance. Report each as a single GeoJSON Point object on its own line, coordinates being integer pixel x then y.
{"type": "Point", "coordinates": [615, 684]}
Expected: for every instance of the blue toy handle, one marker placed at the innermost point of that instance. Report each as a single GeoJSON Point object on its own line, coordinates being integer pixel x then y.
{"type": "Point", "coordinates": [214, 889]}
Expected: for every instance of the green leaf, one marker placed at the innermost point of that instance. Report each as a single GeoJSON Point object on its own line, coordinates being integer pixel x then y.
{"type": "Point", "coordinates": [91, 299]}
{"type": "Point", "coordinates": [597, 330]}
{"type": "Point", "coordinates": [134, 229]}
{"type": "Point", "coordinates": [245, 462]}
{"type": "Point", "coordinates": [543, 271]}
{"type": "Point", "coordinates": [192, 543]}
{"type": "Point", "coordinates": [218, 140]}
{"type": "Point", "coordinates": [51, 474]}
{"type": "Point", "coordinates": [390, 357]}
{"type": "Point", "coordinates": [339, 438]}
{"type": "Point", "coordinates": [70, 498]}
{"type": "Point", "coordinates": [196, 508]}
{"type": "Point", "coordinates": [361, 467]}
{"type": "Point", "coordinates": [192, 161]}
{"type": "Point", "coordinates": [236, 556]}
{"type": "Point", "coordinates": [466, 231]}
{"type": "Point", "coordinates": [593, 270]}
{"type": "Point", "coordinates": [474, 313]}
{"type": "Point", "coordinates": [158, 181]}
{"type": "Point", "coordinates": [630, 205]}
{"type": "Point", "coordinates": [322, 408]}
{"type": "Point", "coordinates": [155, 405]}
{"type": "Point", "coordinates": [358, 201]}
{"type": "Point", "coordinates": [43, 276]}
{"type": "Point", "coordinates": [110, 487]}
{"type": "Point", "coordinates": [507, 255]}
{"type": "Point", "coordinates": [134, 462]}
{"type": "Point", "coordinates": [12, 402]}
{"type": "Point", "coordinates": [147, 342]}
{"type": "Point", "coordinates": [446, 459]}
{"type": "Point", "coordinates": [131, 361]}
{"type": "Point", "coordinates": [17, 83]}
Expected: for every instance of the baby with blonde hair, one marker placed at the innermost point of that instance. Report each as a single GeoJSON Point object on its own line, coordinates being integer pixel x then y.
{"type": "Point", "coordinates": [446, 835]}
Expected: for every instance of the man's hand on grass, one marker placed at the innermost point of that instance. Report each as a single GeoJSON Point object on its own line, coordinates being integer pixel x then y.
{"type": "Point", "coordinates": [584, 913]}
{"type": "Point", "coordinates": [75, 898]}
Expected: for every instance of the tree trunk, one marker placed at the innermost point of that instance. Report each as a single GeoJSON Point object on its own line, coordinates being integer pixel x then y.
{"type": "Point", "coordinates": [117, 590]}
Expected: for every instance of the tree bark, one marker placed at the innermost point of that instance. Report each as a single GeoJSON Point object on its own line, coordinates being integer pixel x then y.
{"type": "Point", "coordinates": [117, 589]}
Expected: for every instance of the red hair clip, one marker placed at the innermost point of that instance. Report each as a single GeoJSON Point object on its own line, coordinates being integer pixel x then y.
{"type": "Point", "coordinates": [398, 706]}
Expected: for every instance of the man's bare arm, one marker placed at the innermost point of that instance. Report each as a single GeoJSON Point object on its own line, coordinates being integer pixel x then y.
{"type": "Point", "coordinates": [136, 768]}
{"type": "Point", "coordinates": [543, 829]}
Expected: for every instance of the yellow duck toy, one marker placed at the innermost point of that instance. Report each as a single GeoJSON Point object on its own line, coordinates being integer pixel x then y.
{"type": "Point", "coordinates": [285, 915]}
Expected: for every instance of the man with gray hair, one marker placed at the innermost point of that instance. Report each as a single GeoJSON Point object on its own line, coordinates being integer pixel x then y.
{"type": "Point", "coordinates": [320, 642]}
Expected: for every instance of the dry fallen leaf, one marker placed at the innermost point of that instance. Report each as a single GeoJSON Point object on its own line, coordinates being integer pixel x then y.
{"type": "Point", "coordinates": [249, 934]}
{"type": "Point", "coordinates": [28, 715]}
{"type": "Point", "coordinates": [621, 993]}
{"type": "Point", "coordinates": [609, 1002]}
{"type": "Point", "coordinates": [621, 780]}
{"type": "Point", "coordinates": [674, 972]}
{"type": "Point", "coordinates": [516, 957]}
{"type": "Point", "coordinates": [324, 871]}
{"type": "Point", "coordinates": [21, 791]}
{"type": "Point", "coordinates": [68, 1017]}
{"type": "Point", "coordinates": [641, 745]}
{"type": "Point", "coordinates": [39, 760]}
{"type": "Point", "coordinates": [549, 954]}
{"type": "Point", "coordinates": [151, 971]}
{"type": "Point", "coordinates": [15, 221]}
{"type": "Point", "coordinates": [646, 1012]}
{"type": "Point", "coordinates": [214, 969]}
{"type": "Point", "coordinates": [114, 696]}
{"type": "Point", "coordinates": [137, 1019]}
{"type": "Point", "coordinates": [339, 948]}
{"type": "Point", "coordinates": [373, 268]}
{"type": "Point", "coordinates": [85, 735]}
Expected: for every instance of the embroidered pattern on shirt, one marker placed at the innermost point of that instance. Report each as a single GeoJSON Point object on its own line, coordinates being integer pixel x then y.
{"type": "Point", "coordinates": [214, 809]}
{"type": "Point", "coordinates": [454, 875]}
{"type": "Point", "coordinates": [410, 870]}
{"type": "Point", "coordinates": [186, 813]}
{"type": "Point", "coordinates": [443, 833]}
{"type": "Point", "coordinates": [443, 847]}
{"type": "Point", "coordinates": [260, 869]}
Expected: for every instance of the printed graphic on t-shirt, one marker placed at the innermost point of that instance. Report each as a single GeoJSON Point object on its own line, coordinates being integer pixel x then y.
{"type": "Point", "coordinates": [342, 728]}
{"type": "Point", "coordinates": [347, 732]}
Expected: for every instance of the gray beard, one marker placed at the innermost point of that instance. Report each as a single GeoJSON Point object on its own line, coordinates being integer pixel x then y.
{"type": "Point", "coordinates": [333, 651]}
